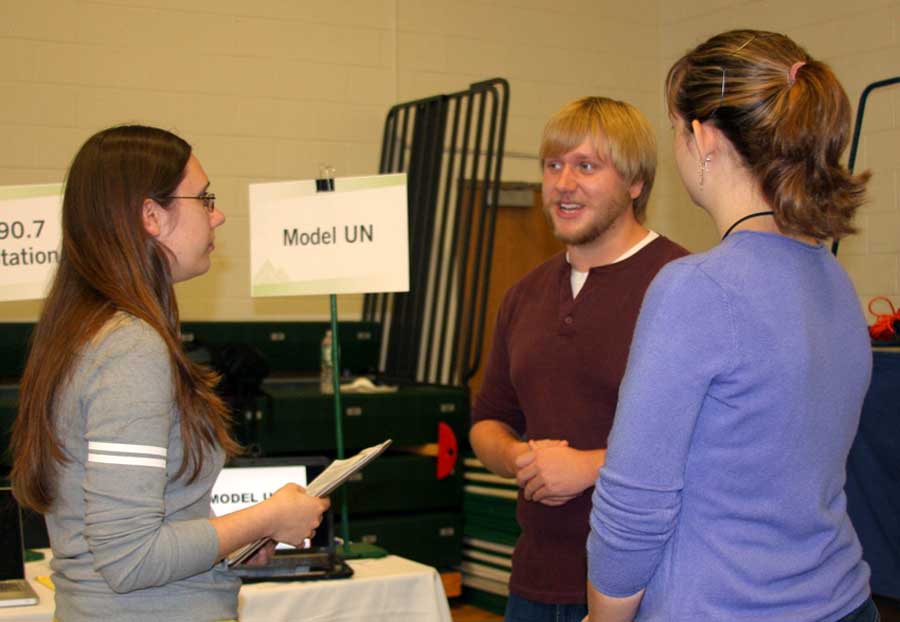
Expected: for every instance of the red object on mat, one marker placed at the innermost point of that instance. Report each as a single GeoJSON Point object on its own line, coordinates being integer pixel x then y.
{"type": "Point", "coordinates": [883, 327]}
{"type": "Point", "coordinates": [447, 450]}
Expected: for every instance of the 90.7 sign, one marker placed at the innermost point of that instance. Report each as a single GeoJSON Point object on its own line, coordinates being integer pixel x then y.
{"type": "Point", "coordinates": [17, 229]}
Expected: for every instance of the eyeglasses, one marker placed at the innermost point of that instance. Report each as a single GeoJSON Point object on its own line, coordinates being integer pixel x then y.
{"type": "Point", "coordinates": [208, 199]}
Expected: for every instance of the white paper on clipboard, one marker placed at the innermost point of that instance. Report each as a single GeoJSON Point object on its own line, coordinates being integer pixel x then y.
{"type": "Point", "coordinates": [333, 476]}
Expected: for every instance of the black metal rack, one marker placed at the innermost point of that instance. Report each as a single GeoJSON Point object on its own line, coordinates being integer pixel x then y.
{"type": "Point", "coordinates": [860, 112]}
{"type": "Point", "coordinates": [451, 147]}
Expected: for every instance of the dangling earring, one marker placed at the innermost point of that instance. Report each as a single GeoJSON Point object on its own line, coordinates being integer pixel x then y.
{"type": "Point", "coordinates": [703, 168]}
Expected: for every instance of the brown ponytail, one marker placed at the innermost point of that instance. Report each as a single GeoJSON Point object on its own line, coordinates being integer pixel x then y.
{"type": "Point", "coordinates": [786, 115]}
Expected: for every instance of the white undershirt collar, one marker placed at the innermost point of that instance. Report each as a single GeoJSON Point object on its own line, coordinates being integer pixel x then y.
{"type": "Point", "coordinates": [578, 278]}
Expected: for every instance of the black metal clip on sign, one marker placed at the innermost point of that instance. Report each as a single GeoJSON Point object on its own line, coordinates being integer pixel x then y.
{"type": "Point", "coordinates": [325, 184]}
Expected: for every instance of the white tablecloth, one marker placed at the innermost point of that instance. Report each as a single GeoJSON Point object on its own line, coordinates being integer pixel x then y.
{"type": "Point", "coordinates": [391, 589]}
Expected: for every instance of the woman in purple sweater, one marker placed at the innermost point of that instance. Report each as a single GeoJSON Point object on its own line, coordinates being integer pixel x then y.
{"type": "Point", "coordinates": [722, 494]}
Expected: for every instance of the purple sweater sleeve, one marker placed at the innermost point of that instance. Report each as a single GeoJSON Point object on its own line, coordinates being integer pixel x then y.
{"type": "Point", "coordinates": [684, 339]}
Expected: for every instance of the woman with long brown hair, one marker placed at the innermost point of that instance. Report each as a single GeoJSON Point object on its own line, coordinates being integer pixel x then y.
{"type": "Point", "coordinates": [722, 494]}
{"type": "Point", "coordinates": [119, 435]}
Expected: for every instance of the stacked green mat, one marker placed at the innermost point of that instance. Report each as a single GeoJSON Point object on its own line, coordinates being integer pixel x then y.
{"type": "Point", "coordinates": [490, 533]}
{"type": "Point", "coordinates": [9, 398]}
{"type": "Point", "coordinates": [397, 502]}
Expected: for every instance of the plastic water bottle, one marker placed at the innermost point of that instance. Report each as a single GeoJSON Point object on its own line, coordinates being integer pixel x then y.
{"type": "Point", "coordinates": [326, 375]}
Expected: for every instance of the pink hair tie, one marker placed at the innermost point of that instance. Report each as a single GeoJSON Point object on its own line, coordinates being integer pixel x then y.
{"type": "Point", "coordinates": [792, 74]}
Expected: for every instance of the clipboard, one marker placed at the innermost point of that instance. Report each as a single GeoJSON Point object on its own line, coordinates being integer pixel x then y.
{"type": "Point", "coordinates": [338, 472]}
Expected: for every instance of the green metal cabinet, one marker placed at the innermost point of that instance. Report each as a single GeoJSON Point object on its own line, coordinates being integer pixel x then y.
{"type": "Point", "coordinates": [403, 483]}
{"type": "Point", "coordinates": [430, 538]}
{"type": "Point", "coordinates": [301, 418]}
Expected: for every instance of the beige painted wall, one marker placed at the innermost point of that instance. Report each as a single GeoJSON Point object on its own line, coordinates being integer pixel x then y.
{"type": "Point", "coordinates": [269, 89]}
{"type": "Point", "coordinates": [861, 41]}
{"type": "Point", "coordinates": [266, 90]}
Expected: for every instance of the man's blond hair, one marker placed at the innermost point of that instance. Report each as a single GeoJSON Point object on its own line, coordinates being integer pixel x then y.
{"type": "Point", "coordinates": [620, 128]}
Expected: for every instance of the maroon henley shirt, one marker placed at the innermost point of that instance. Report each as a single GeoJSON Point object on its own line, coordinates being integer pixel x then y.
{"type": "Point", "coordinates": [554, 372]}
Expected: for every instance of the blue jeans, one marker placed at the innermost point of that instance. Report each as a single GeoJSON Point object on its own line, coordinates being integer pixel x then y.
{"type": "Point", "coordinates": [866, 612]}
{"type": "Point", "coordinates": [520, 609]}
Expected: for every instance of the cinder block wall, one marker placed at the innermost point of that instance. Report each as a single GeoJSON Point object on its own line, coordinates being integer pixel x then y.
{"type": "Point", "coordinates": [861, 41]}
{"type": "Point", "coordinates": [267, 90]}
{"type": "Point", "coordinates": [270, 89]}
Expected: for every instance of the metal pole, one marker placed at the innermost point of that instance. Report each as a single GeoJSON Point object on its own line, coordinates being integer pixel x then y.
{"type": "Point", "coordinates": [338, 414]}
{"type": "Point", "coordinates": [860, 111]}
{"type": "Point", "coordinates": [325, 183]}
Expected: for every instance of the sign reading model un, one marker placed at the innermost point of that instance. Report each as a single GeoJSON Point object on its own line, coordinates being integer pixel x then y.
{"type": "Point", "coordinates": [349, 240]}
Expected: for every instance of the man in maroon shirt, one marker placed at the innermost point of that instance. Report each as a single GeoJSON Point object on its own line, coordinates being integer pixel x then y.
{"type": "Point", "coordinates": [552, 380]}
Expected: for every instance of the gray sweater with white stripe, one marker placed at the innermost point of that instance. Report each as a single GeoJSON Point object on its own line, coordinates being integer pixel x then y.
{"type": "Point", "coordinates": [129, 541]}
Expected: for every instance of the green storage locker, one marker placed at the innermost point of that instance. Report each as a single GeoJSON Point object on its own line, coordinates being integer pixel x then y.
{"type": "Point", "coordinates": [491, 531]}
{"type": "Point", "coordinates": [498, 515]}
{"type": "Point", "coordinates": [14, 348]}
{"type": "Point", "coordinates": [9, 397]}
{"type": "Point", "coordinates": [292, 347]}
{"type": "Point", "coordinates": [246, 421]}
{"type": "Point", "coordinates": [301, 418]}
{"type": "Point", "coordinates": [403, 483]}
{"type": "Point", "coordinates": [430, 538]}
{"type": "Point", "coordinates": [288, 346]}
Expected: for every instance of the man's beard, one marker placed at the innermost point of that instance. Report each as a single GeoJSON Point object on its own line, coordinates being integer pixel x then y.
{"type": "Point", "coordinates": [595, 229]}
{"type": "Point", "coordinates": [578, 238]}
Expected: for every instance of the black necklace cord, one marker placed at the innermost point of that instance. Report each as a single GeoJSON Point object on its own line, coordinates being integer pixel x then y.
{"type": "Point", "coordinates": [747, 217]}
